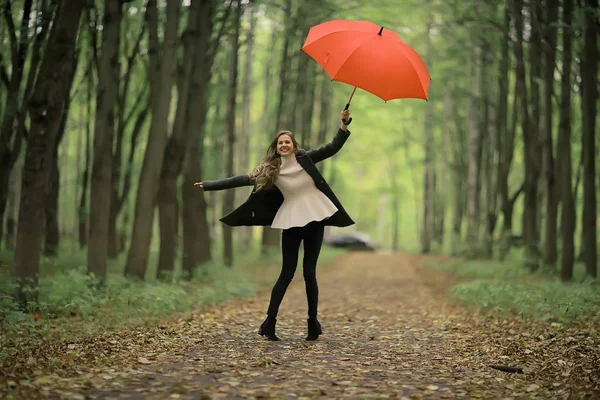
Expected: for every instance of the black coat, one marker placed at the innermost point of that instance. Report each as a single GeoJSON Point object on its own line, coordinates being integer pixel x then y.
{"type": "Point", "coordinates": [261, 207]}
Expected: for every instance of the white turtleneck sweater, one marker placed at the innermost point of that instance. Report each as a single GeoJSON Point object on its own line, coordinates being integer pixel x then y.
{"type": "Point", "coordinates": [303, 202]}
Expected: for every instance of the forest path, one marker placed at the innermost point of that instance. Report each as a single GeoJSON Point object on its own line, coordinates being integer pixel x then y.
{"type": "Point", "coordinates": [388, 333]}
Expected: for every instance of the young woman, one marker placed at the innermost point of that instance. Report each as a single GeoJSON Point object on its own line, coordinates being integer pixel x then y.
{"type": "Point", "coordinates": [291, 194]}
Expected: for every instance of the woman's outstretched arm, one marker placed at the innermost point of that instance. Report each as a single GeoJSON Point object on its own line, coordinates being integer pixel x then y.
{"type": "Point", "coordinates": [227, 183]}
{"type": "Point", "coordinates": [335, 145]}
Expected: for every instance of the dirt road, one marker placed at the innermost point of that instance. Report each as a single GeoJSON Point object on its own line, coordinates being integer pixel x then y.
{"type": "Point", "coordinates": [387, 334]}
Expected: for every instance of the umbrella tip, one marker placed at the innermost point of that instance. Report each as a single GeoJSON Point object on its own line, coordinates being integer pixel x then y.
{"type": "Point", "coordinates": [381, 30]}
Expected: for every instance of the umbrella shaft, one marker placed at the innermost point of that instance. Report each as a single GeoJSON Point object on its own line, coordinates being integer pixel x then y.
{"type": "Point", "coordinates": [350, 99]}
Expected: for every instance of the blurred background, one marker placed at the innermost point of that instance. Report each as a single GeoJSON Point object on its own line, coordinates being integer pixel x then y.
{"type": "Point", "coordinates": [112, 109]}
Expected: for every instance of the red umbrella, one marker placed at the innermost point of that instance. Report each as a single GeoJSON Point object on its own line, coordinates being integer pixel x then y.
{"type": "Point", "coordinates": [369, 57]}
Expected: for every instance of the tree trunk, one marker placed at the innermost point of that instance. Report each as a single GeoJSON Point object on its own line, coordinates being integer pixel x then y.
{"type": "Point", "coordinates": [445, 172]}
{"type": "Point", "coordinates": [12, 111]}
{"type": "Point", "coordinates": [83, 212]}
{"type": "Point", "coordinates": [52, 234]}
{"type": "Point", "coordinates": [506, 139]}
{"type": "Point", "coordinates": [456, 171]}
{"type": "Point", "coordinates": [395, 203]}
{"type": "Point", "coordinates": [550, 233]}
{"type": "Point", "coordinates": [474, 156]}
{"type": "Point", "coordinates": [162, 67]}
{"type": "Point", "coordinates": [589, 87]}
{"type": "Point", "coordinates": [229, 198]}
{"type": "Point", "coordinates": [530, 139]}
{"type": "Point", "coordinates": [106, 101]}
{"type": "Point", "coordinates": [12, 208]}
{"type": "Point", "coordinates": [196, 237]}
{"type": "Point", "coordinates": [324, 118]}
{"type": "Point", "coordinates": [45, 109]}
{"type": "Point", "coordinates": [504, 156]}
{"type": "Point", "coordinates": [168, 207]}
{"type": "Point", "coordinates": [492, 183]}
{"type": "Point", "coordinates": [270, 238]}
{"type": "Point", "coordinates": [429, 190]}
{"type": "Point", "coordinates": [308, 108]}
{"type": "Point", "coordinates": [114, 243]}
{"type": "Point", "coordinates": [245, 233]}
{"type": "Point", "coordinates": [124, 116]}
{"type": "Point", "coordinates": [536, 139]}
{"type": "Point", "coordinates": [564, 150]}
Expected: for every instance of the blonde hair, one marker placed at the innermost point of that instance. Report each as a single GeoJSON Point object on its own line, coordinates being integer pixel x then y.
{"type": "Point", "coordinates": [265, 173]}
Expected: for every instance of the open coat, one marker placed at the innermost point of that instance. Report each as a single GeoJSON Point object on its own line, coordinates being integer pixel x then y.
{"type": "Point", "coordinates": [261, 206]}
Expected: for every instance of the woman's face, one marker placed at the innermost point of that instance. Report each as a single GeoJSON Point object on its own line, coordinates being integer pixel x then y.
{"type": "Point", "coordinates": [285, 146]}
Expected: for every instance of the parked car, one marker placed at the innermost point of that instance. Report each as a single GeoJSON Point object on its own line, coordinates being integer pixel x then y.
{"type": "Point", "coordinates": [353, 241]}
{"type": "Point", "coordinates": [516, 240]}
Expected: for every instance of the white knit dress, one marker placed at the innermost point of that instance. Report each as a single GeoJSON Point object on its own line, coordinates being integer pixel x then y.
{"type": "Point", "coordinates": [303, 202]}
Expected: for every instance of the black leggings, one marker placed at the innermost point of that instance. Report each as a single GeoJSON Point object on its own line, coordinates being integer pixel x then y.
{"type": "Point", "coordinates": [312, 234]}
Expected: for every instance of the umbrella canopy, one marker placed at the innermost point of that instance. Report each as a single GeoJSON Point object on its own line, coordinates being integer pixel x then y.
{"type": "Point", "coordinates": [369, 57]}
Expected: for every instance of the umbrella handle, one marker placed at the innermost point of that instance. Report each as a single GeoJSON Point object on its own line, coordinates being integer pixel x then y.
{"type": "Point", "coordinates": [348, 106]}
{"type": "Point", "coordinates": [349, 120]}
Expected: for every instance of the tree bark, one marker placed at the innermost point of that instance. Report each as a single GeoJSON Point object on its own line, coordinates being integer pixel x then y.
{"type": "Point", "coordinates": [491, 128]}
{"type": "Point", "coordinates": [489, 135]}
{"type": "Point", "coordinates": [536, 139]}
{"type": "Point", "coordinates": [196, 232]}
{"type": "Point", "coordinates": [270, 238]}
{"type": "Point", "coordinates": [474, 156]}
{"type": "Point", "coordinates": [229, 198]}
{"type": "Point", "coordinates": [589, 88]}
{"type": "Point", "coordinates": [124, 117]}
{"type": "Point", "coordinates": [52, 231]}
{"type": "Point", "coordinates": [107, 94]}
{"type": "Point", "coordinates": [564, 150]}
{"type": "Point", "coordinates": [457, 173]}
{"type": "Point", "coordinates": [10, 144]}
{"type": "Point", "coordinates": [168, 210]}
{"type": "Point", "coordinates": [45, 109]}
{"type": "Point", "coordinates": [196, 237]}
{"type": "Point", "coordinates": [506, 139]}
{"type": "Point", "coordinates": [162, 65]}
{"type": "Point", "coordinates": [530, 139]}
{"type": "Point", "coordinates": [429, 177]}
{"type": "Point", "coordinates": [245, 233]}
{"type": "Point", "coordinates": [83, 210]}
{"type": "Point", "coordinates": [324, 117]}
{"type": "Point", "coordinates": [550, 232]}
{"type": "Point", "coordinates": [12, 205]}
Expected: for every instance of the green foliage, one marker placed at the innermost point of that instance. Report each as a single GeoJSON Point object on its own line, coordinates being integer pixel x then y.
{"type": "Point", "coordinates": [509, 288]}
{"type": "Point", "coordinates": [549, 300]}
{"type": "Point", "coordinates": [72, 304]}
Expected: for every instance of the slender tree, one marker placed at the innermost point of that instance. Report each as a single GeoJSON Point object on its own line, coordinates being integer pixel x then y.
{"type": "Point", "coordinates": [270, 238]}
{"type": "Point", "coordinates": [564, 148]}
{"type": "Point", "coordinates": [12, 124]}
{"type": "Point", "coordinates": [107, 94]}
{"type": "Point", "coordinates": [429, 177]}
{"type": "Point", "coordinates": [229, 199]}
{"type": "Point", "coordinates": [45, 109]}
{"type": "Point", "coordinates": [162, 67]}
{"type": "Point", "coordinates": [175, 148]}
{"type": "Point", "coordinates": [589, 89]}
{"type": "Point", "coordinates": [550, 167]}
{"type": "Point", "coordinates": [474, 153]}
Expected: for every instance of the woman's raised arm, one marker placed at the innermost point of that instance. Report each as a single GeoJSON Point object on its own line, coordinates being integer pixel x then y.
{"type": "Point", "coordinates": [227, 183]}
{"type": "Point", "coordinates": [335, 145]}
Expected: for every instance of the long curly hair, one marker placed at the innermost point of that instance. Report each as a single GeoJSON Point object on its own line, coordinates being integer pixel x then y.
{"type": "Point", "coordinates": [265, 173]}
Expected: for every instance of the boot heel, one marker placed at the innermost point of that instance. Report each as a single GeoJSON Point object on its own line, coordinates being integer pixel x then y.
{"type": "Point", "coordinates": [267, 329]}
{"type": "Point", "coordinates": [314, 329]}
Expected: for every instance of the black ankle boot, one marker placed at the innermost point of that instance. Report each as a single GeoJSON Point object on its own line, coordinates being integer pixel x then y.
{"type": "Point", "coordinates": [267, 329]}
{"type": "Point", "coordinates": [314, 329]}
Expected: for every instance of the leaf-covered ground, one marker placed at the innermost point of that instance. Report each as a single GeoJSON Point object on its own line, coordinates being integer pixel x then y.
{"type": "Point", "coordinates": [389, 332]}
